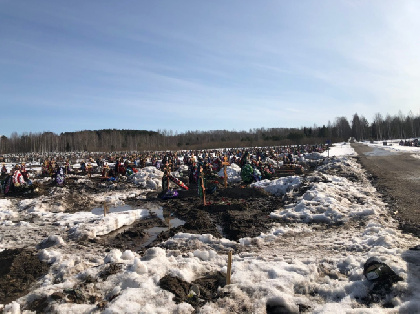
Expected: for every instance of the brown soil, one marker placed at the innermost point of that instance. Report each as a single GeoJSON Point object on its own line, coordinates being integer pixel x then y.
{"type": "Point", "coordinates": [205, 289]}
{"type": "Point", "coordinates": [19, 269]}
{"type": "Point", "coordinates": [235, 212]}
{"type": "Point", "coordinates": [397, 178]}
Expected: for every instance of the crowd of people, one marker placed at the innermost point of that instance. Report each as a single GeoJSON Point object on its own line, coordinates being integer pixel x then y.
{"type": "Point", "coordinates": [17, 179]}
{"type": "Point", "coordinates": [256, 164]}
{"type": "Point", "coordinates": [410, 142]}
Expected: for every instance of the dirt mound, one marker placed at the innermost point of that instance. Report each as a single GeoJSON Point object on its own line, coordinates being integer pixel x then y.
{"type": "Point", "coordinates": [196, 293]}
{"type": "Point", "coordinates": [19, 269]}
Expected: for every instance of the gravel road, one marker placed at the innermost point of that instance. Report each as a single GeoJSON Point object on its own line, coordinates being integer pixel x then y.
{"type": "Point", "coordinates": [397, 176]}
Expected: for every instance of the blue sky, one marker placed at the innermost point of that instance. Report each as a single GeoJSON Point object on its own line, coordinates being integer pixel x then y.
{"type": "Point", "coordinates": [204, 65]}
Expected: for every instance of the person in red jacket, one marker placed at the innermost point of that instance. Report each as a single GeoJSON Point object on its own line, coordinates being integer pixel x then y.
{"type": "Point", "coordinates": [18, 179]}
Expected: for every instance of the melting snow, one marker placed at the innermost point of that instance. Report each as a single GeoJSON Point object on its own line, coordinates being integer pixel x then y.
{"type": "Point", "coordinates": [298, 263]}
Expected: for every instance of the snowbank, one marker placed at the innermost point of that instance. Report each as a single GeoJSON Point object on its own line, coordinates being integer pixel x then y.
{"type": "Point", "coordinates": [89, 225]}
{"type": "Point", "coordinates": [233, 172]}
{"type": "Point", "coordinates": [279, 186]}
{"type": "Point", "coordinates": [335, 199]}
{"type": "Point", "coordinates": [148, 178]}
{"type": "Point", "coordinates": [340, 149]}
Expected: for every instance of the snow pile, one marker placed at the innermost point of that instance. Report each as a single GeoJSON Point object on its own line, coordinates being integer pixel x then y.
{"type": "Point", "coordinates": [335, 200]}
{"type": "Point", "coordinates": [393, 147]}
{"type": "Point", "coordinates": [148, 178]}
{"type": "Point", "coordinates": [199, 241]}
{"type": "Point", "coordinates": [329, 202]}
{"type": "Point", "coordinates": [274, 162]}
{"type": "Point", "coordinates": [279, 186]}
{"type": "Point", "coordinates": [40, 205]}
{"type": "Point", "coordinates": [89, 225]}
{"type": "Point", "coordinates": [6, 210]}
{"type": "Point", "coordinates": [274, 233]}
{"type": "Point", "coordinates": [116, 198]}
{"type": "Point", "coordinates": [43, 180]}
{"type": "Point", "coordinates": [313, 156]}
{"type": "Point", "coordinates": [340, 149]}
{"type": "Point", "coordinates": [233, 172]}
{"type": "Point", "coordinates": [84, 181]}
{"type": "Point", "coordinates": [12, 308]}
{"type": "Point", "coordinates": [182, 169]}
{"type": "Point", "coordinates": [52, 240]}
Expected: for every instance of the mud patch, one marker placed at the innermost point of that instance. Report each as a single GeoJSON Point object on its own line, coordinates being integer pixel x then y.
{"type": "Point", "coordinates": [19, 270]}
{"type": "Point", "coordinates": [131, 237]}
{"type": "Point", "coordinates": [196, 293]}
{"type": "Point", "coordinates": [233, 213]}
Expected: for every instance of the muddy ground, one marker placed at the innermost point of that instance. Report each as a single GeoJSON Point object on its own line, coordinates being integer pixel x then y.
{"type": "Point", "coordinates": [19, 268]}
{"type": "Point", "coordinates": [234, 212]}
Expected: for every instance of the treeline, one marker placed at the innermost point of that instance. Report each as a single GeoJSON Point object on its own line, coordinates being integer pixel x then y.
{"type": "Point", "coordinates": [381, 128]}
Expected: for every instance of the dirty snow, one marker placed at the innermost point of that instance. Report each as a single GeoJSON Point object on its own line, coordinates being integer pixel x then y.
{"type": "Point", "coordinates": [394, 147]}
{"type": "Point", "coordinates": [299, 263]}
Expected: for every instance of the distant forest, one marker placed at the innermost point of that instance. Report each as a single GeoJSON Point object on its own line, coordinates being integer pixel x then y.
{"type": "Point", "coordinates": [381, 128]}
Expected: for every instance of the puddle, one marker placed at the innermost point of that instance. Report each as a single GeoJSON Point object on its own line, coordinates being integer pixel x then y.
{"type": "Point", "coordinates": [176, 222]}
{"type": "Point", "coordinates": [167, 217]}
{"type": "Point", "coordinates": [157, 211]}
{"type": "Point", "coordinates": [153, 233]}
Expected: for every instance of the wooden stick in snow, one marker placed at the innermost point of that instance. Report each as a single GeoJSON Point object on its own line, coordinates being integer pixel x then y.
{"type": "Point", "coordinates": [106, 208]}
{"type": "Point", "coordinates": [229, 268]}
{"type": "Point", "coordinates": [225, 163]}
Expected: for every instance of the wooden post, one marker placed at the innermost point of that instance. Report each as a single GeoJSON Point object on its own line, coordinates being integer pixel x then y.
{"type": "Point", "coordinates": [201, 182]}
{"type": "Point", "coordinates": [203, 187]}
{"type": "Point", "coordinates": [225, 163]}
{"type": "Point", "coordinates": [106, 208]}
{"type": "Point", "coordinates": [229, 268]}
{"type": "Point", "coordinates": [89, 169]}
{"type": "Point", "coordinates": [167, 173]}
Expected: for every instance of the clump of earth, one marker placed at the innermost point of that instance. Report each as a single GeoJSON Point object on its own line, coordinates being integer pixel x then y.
{"type": "Point", "coordinates": [19, 269]}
